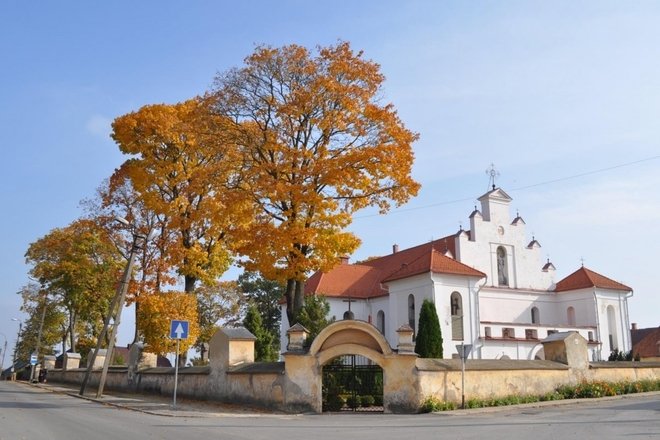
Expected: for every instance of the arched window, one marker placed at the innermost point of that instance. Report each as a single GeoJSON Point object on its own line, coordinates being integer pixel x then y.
{"type": "Point", "coordinates": [380, 321]}
{"type": "Point", "coordinates": [611, 327]}
{"type": "Point", "coordinates": [502, 267]}
{"type": "Point", "coordinates": [570, 315]}
{"type": "Point", "coordinates": [456, 303]}
{"type": "Point", "coordinates": [536, 317]}
{"type": "Point", "coordinates": [411, 311]}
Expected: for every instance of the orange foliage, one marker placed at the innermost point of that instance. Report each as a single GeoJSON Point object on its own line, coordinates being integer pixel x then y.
{"type": "Point", "coordinates": [156, 311]}
{"type": "Point", "coordinates": [319, 145]}
{"type": "Point", "coordinates": [181, 171]}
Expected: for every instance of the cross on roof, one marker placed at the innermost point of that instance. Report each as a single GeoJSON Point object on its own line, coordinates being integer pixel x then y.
{"type": "Point", "coordinates": [349, 301]}
{"type": "Point", "coordinates": [492, 175]}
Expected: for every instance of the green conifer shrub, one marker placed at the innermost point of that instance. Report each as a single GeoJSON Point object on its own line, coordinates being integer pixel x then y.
{"type": "Point", "coordinates": [429, 337]}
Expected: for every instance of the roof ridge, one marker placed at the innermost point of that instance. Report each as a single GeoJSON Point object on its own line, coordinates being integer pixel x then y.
{"type": "Point", "coordinates": [433, 242]}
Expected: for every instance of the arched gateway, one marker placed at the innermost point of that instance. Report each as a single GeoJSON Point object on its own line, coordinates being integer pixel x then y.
{"type": "Point", "coordinates": [351, 356]}
{"type": "Point", "coordinates": [351, 339]}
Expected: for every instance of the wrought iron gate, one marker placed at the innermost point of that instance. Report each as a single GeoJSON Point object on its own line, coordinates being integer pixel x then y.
{"type": "Point", "coordinates": [352, 383]}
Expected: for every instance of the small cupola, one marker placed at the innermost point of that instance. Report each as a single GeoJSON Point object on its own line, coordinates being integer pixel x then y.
{"type": "Point", "coordinates": [533, 244]}
{"type": "Point", "coordinates": [518, 220]}
{"type": "Point", "coordinates": [548, 266]}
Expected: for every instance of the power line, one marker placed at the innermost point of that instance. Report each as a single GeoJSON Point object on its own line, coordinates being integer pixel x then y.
{"type": "Point", "coordinates": [520, 188]}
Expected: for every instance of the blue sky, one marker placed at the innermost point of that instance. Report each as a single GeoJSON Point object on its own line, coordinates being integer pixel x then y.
{"type": "Point", "coordinates": [545, 90]}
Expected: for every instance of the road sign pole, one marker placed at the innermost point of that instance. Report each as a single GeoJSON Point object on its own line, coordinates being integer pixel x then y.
{"type": "Point", "coordinates": [462, 381]}
{"type": "Point", "coordinates": [176, 371]}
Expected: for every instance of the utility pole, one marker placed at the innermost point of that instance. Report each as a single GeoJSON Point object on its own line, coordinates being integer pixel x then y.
{"type": "Point", "coordinates": [41, 328]}
{"type": "Point", "coordinates": [18, 338]}
{"type": "Point", "coordinates": [116, 307]}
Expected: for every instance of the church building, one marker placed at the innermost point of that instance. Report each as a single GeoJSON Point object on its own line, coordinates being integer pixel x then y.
{"type": "Point", "coordinates": [490, 288]}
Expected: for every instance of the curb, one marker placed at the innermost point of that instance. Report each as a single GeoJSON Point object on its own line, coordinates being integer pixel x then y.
{"type": "Point", "coordinates": [112, 404]}
{"type": "Point", "coordinates": [165, 412]}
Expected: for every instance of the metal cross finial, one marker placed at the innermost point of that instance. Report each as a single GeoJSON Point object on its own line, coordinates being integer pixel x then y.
{"type": "Point", "coordinates": [492, 175]}
{"type": "Point", "coordinates": [582, 261]}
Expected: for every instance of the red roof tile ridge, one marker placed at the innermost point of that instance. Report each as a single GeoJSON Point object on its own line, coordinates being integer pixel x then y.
{"type": "Point", "coordinates": [408, 250]}
{"type": "Point", "coordinates": [433, 256]}
{"type": "Point", "coordinates": [583, 278]}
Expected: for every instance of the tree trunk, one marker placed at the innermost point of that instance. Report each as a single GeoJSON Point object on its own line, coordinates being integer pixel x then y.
{"type": "Point", "coordinates": [299, 299]}
{"type": "Point", "coordinates": [289, 294]}
{"type": "Point", "coordinates": [136, 335]}
{"type": "Point", "coordinates": [72, 331]}
{"type": "Point", "coordinates": [189, 285]}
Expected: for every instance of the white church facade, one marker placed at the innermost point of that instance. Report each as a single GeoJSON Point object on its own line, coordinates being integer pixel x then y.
{"type": "Point", "coordinates": [490, 288]}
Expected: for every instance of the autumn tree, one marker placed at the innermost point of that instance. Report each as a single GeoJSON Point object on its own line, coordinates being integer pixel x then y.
{"type": "Point", "coordinates": [79, 266]}
{"type": "Point", "coordinates": [318, 144]}
{"type": "Point", "coordinates": [156, 313]}
{"type": "Point", "coordinates": [180, 170]}
{"type": "Point", "coordinates": [220, 303]}
{"type": "Point", "coordinates": [114, 198]}
{"type": "Point", "coordinates": [44, 313]}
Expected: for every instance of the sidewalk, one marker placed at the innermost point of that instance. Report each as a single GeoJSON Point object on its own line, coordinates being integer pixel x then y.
{"type": "Point", "coordinates": [162, 406]}
{"type": "Point", "coordinates": [159, 405]}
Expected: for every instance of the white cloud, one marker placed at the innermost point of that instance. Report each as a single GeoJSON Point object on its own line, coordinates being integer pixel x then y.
{"type": "Point", "coordinates": [99, 126]}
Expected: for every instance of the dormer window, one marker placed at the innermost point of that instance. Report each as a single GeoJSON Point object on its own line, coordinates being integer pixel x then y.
{"type": "Point", "coordinates": [502, 267]}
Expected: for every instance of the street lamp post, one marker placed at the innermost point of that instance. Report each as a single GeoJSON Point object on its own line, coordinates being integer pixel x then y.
{"type": "Point", "coordinates": [18, 337]}
{"type": "Point", "coordinates": [116, 307]}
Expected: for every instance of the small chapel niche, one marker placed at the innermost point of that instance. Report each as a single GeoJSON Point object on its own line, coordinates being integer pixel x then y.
{"type": "Point", "coordinates": [502, 267]}
{"type": "Point", "coordinates": [456, 303]}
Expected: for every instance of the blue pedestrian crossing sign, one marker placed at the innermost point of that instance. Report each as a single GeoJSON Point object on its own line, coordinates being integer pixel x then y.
{"type": "Point", "coordinates": [178, 329]}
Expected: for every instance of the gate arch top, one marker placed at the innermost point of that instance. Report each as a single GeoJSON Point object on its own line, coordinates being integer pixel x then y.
{"type": "Point", "coordinates": [350, 332]}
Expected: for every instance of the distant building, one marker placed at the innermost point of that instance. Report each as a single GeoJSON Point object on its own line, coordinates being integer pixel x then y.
{"type": "Point", "coordinates": [490, 287]}
{"type": "Point", "coordinates": [646, 343]}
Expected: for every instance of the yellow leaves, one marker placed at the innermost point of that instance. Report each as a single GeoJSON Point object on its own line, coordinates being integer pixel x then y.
{"type": "Point", "coordinates": [156, 311]}
{"type": "Point", "coordinates": [273, 163]}
{"type": "Point", "coordinates": [181, 169]}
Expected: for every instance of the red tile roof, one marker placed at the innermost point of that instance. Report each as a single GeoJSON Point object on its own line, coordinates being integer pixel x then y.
{"type": "Point", "coordinates": [646, 342]}
{"type": "Point", "coordinates": [584, 278]}
{"type": "Point", "coordinates": [364, 280]}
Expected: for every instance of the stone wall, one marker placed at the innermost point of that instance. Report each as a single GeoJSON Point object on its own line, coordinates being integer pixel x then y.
{"type": "Point", "coordinates": [295, 385]}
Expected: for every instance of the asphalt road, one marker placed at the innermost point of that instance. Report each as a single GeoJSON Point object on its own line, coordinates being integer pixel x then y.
{"type": "Point", "coordinates": [32, 413]}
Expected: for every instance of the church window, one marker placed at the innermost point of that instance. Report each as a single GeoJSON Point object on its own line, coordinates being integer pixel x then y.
{"type": "Point", "coordinates": [536, 317]}
{"type": "Point", "coordinates": [508, 333]}
{"type": "Point", "coordinates": [502, 267]}
{"type": "Point", "coordinates": [591, 336]}
{"type": "Point", "coordinates": [411, 311]}
{"type": "Point", "coordinates": [487, 332]}
{"type": "Point", "coordinates": [570, 315]}
{"type": "Point", "coordinates": [611, 326]}
{"type": "Point", "coordinates": [531, 334]}
{"type": "Point", "coordinates": [456, 303]}
{"type": "Point", "coordinates": [380, 321]}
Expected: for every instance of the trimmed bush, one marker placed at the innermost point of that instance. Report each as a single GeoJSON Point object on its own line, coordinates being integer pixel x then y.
{"type": "Point", "coordinates": [334, 403]}
{"type": "Point", "coordinates": [428, 343]}
{"type": "Point", "coordinates": [367, 401]}
{"type": "Point", "coordinates": [353, 401]}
